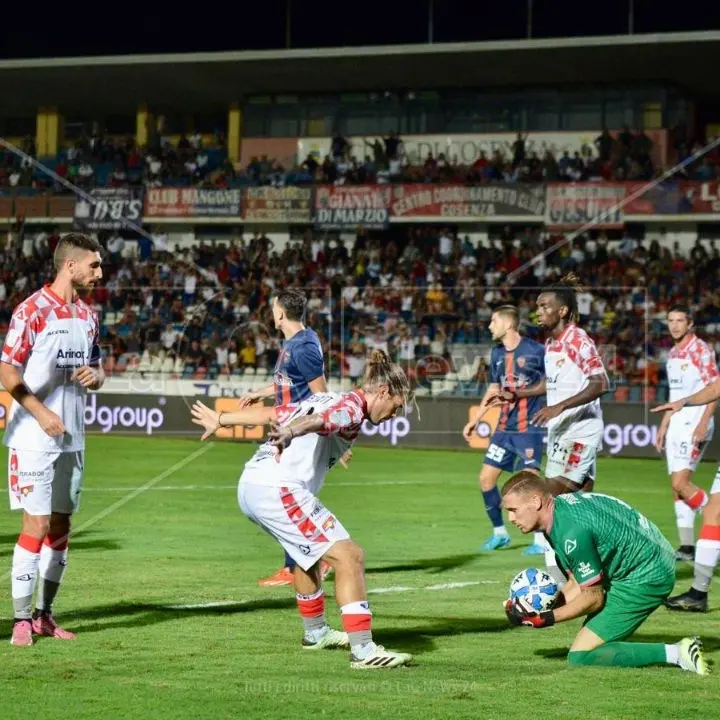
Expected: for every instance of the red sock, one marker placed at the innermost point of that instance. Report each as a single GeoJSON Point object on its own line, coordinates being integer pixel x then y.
{"type": "Point", "coordinates": [312, 610]}
{"type": "Point", "coordinates": [697, 501]}
{"type": "Point", "coordinates": [357, 622]}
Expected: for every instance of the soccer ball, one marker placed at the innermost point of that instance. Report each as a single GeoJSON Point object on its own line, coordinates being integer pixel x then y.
{"type": "Point", "coordinates": [536, 588]}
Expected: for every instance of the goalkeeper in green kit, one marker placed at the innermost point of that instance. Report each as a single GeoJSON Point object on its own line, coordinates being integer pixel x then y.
{"type": "Point", "coordinates": [620, 569]}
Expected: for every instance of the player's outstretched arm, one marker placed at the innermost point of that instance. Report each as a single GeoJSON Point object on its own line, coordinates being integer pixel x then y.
{"type": "Point", "coordinates": [253, 397]}
{"type": "Point", "coordinates": [212, 420]}
{"type": "Point", "coordinates": [536, 390]}
{"type": "Point", "coordinates": [708, 394]}
{"type": "Point", "coordinates": [12, 381]}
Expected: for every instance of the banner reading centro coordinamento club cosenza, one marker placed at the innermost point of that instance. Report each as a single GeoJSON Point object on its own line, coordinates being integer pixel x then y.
{"type": "Point", "coordinates": [465, 201]}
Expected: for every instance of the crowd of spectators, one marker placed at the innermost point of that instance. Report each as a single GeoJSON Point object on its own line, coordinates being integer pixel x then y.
{"type": "Point", "coordinates": [95, 159]}
{"type": "Point", "coordinates": [423, 294]}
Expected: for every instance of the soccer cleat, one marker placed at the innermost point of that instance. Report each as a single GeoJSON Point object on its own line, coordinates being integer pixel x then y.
{"type": "Point", "coordinates": [330, 640]}
{"type": "Point", "coordinates": [691, 656]}
{"type": "Point", "coordinates": [496, 542]}
{"type": "Point", "coordinates": [326, 569]}
{"type": "Point", "coordinates": [687, 602]}
{"type": "Point", "coordinates": [22, 633]}
{"type": "Point", "coordinates": [380, 659]}
{"type": "Point", "coordinates": [280, 578]}
{"type": "Point", "coordinates": [685, 553]}
{"type": "Point", "coordinates": [534, 549]}
{"type": "Point", "coordinates": [44, 624]}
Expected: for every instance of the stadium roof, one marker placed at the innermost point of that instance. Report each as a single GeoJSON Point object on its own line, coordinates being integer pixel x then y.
{"type": "Point", "coordinates": [118, 84]}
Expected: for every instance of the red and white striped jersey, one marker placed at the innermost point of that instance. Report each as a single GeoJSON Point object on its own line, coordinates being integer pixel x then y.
{"type": "Point", "coordinates": [570, 361]}
{"type": "Point", "coordinates": [309, 457]}
{"type": "Point", "coordinates": [47, 339]}
{"type": "Point", "coordinates": [690, 367]}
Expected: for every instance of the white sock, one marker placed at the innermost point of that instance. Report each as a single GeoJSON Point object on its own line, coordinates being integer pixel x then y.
{"type": "Point", "coordinates": [24, 575]}
{"type": "Point", "coordinates": [685, 521]}
{"type": "Point", "coordinates": [53, 561]}
{"type": "Point", "coordinates": [672, 655]}
{"type": "Point", "coordinates": [500, 531]}
{"type": "Point", "coordinates": [707, 554]}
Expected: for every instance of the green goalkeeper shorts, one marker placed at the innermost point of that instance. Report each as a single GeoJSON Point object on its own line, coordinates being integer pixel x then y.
{"type": "Point", "coordinates": [627, 606]}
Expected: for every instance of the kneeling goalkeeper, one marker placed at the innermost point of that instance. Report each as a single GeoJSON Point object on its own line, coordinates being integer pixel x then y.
{"type": "Point", "coordinates": [620, 569]}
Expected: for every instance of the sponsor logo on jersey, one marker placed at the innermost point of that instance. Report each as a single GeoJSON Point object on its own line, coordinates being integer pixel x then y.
{"type": "Point", "coordinates": [304, 549]}
{"type": "Point", "coordinates": [570, 545]}
{"type": "Point", "coordinates": [68, 354]}
{"type": "Point", "coordinates": [57, 332]}
{"type": "Point", "coordinates": [585, 569]}
{"type": "Point", "coordinates": [317, 509]}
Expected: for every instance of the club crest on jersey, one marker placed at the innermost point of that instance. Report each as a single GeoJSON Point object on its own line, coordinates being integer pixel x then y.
{"type": "Point", "coordinates": [521, 362]}
{"type": "Point", "coordinates": [529, 453]}
{"type": "Point", "coordinates": [684, 366]}
{"type": "Point", "coordinates": [570, 545]}
{"type": "Point", "coordinates": [329, 523]}
{"type": "Point", "coordinates": [560, 362]}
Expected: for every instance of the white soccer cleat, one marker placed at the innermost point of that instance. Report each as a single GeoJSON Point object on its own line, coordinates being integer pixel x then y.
{"type": "Point", "coordinates": [691, 656]}
{"type": "Point", "coordinates": [330, 640]}
{"type": "Point", "coordinates": [380, 659]}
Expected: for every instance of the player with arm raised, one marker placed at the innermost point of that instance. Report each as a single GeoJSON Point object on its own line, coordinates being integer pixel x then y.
{"type": "Point", "coordinates": [684, 435]}
{"type": "Point", "coordinates": [620, 570]}
{"type": "Point", "coordinates": [516, 362]}
{"type": "Point", "coordinates": [49, 360]}
{"type": "Point", "coordinates": [707, 551]}
{"type": "Point", "coordinates": [299, 373]}
{"type": "Point", "coordinates": [278, 490]}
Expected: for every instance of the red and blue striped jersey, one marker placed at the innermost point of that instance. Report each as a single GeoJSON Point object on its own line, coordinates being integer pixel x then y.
{"type": "Point", "coordinates": [515, 369]}
{"type": "Point", "coordinates": [300, 361]}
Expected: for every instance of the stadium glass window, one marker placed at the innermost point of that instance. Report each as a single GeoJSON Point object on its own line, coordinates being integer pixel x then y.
{"type": "Point", "coordinates": [581, 111]}
{"type": "Point", "coordinates": [542, 118]}
{"type": "Point", "coordinates": [283, 126]}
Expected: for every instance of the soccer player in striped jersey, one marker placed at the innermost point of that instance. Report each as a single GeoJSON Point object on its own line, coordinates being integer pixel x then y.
{"type": "Point", "coordinates": [684, 435]}
{"type": "Point", "coordinates": [299, 373]}
{"type": "Point", "coordinates": [278, 490]}
{"type": "Point", "coordinates": [515, 362]}
{"type": "Point", "coordinates": [707, 549]}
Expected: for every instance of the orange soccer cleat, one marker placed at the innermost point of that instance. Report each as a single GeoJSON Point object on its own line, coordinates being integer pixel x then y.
{"type": "Point", "coordinates": [280, 578]}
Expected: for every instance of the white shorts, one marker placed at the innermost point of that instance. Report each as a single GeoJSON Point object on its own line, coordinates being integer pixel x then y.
{"type": "Point", "coordinates": [295, 518]}
{"type": "Point", "coordinates": [41, 483]}
{"type": "Point", "coordinates": [574, 460]}
{"type": "Point", "coordinates": [680, 452]}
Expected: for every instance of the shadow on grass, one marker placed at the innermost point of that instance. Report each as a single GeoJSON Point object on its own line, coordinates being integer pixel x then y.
{"type": "Point", "coordinates": [75, 546]}
{"type": "Point", "coordinates": [418, 638]}
{"type": "Point", "coordinates": [433, 565]}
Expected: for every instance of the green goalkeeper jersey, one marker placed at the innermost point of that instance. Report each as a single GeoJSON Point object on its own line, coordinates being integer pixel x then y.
{"type": "Point", "coordinates": [600, 538]}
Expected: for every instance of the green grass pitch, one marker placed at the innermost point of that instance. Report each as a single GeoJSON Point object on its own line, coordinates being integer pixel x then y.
{"type": "Point", "coordinates": [161, 589]}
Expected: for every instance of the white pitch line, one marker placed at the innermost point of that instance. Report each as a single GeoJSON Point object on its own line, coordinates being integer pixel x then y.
{"type": "Point", "coordinates": [331, 486]}
{"type": "Point", "coordinates": [372, 591]}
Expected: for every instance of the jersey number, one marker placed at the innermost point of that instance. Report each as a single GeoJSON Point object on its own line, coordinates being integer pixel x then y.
{"type": "Point", "coordinates": [496, 453]}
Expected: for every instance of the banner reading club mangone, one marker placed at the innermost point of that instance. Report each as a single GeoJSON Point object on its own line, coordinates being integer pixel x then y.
{"type": "Point", "coordinates": [344, 207]}
{"type": "Point", "coordinates": [192, 202]}
{"type": "Point", "coordinates": [466, 201]}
